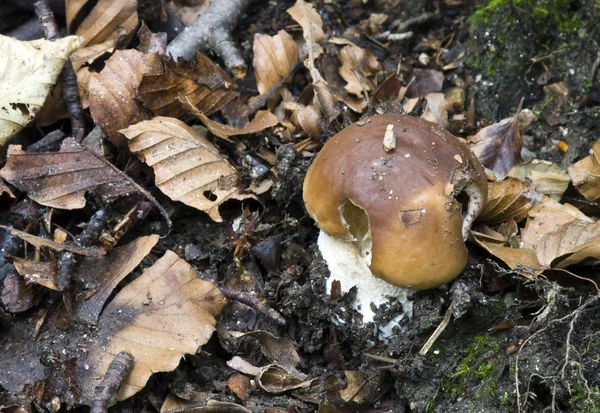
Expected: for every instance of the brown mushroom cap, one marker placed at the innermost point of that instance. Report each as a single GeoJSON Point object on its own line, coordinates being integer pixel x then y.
{"type": "Point", "coordinates": [408, 194]}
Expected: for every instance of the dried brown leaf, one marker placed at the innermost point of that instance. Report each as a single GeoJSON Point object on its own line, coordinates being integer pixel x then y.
{"type": "Point", "coordinates": [437, 108]}
{"type": "Point", "coordinates": [274, 56]}
{"type": "Point", "coordinates": [187, 167]}
{"type": "Point", "coordinates": [4, 189]}
{"type": "Point", "coordinates": [165, 313]}
{"type": "Point", "coordinates": [498, 146]}
{"type": "Point", "coordinates": [361, 61]}
{"type": "Point", "coordinates": [264, 119]}
{"type": "Point", "coordinates": [424, 81]}
{"type": "Point", "coordinates": [109, 19]}
{"type": "Point", "coordinates": [113, 91]}
{"type": "Point", "coordinates": [37, 272]}
{"type": "Point", "coordinates": [206, 85]}
{"type": "Point", "coordinates": [570, 244]}
{"type": "Point", "coordinates": [586, 174]}
{"type": "Point", "coordinates": [546, 177]}
{"type": "Point", "coordinates": [106, 273]}
{"type": "Point", "coordinates": [312, 28]}
{"type": "Point", "coordinates": [512, 257]}
{"type": "Point", "coordinates": [29, 72]}
{"type": "Point", "coordinates": [510, 198]}
{"type": "Point", "coordinates": [61, 179]}
{"type": "Point", "coordinates": [174, 404]}
{"type": "Point", "coordinates": [546, 217]}
{"type": "Point", "coordinates": [239, 384]}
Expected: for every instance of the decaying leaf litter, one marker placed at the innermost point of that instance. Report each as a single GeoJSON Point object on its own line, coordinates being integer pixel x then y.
{"type": "Point", "coordinates": [224, 308]}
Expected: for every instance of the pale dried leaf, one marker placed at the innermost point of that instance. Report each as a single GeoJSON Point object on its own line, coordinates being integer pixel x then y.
{"type": "Point", "coordinates": [61, 179]}
{"type": "Point", "coordinates": [165, 313]}
{"type": "Point", "coordinates": [586, 174]}
{"type": "Point", "coordinates": [359, 60]}
{"type": "Point", "coordinates": [312, 28]}
{"type": "Point", "coordinates": [437, 108]}
{"type": "Point", "coordinates": [174, 404]}
{"type": "Point", "coordinates": [187, 167]}
{"type": "Point", "coordinates": [87, 55]}
{"type": "Point", "coordinates": [107, 20]}
{"type": "Point", "coordinates": [113, 92]}
{"type": "Point", "coordinates": [498, 146]}
{"type": "Point", "coordinates": [29, 72]}
{"type": "Point", "coordinates": [282, 351]}
{"type": "Point", "coordinates": [546, 177]}
{"type": "Point", "coordinates": [107, 272]}
{"type": "Point", "coordinates": [510, 198]}
{"type": "Point", "coordinates": [264, 119]}
{"type": "Point", "coordinates": [37, 272]}
{"type": "Point", "coordinates": [569, 244]}
{"type": "Point", "coordinates": [274, 56]}
{"type": "Point", "coordinates": [546, 217]}
{"type": "Point", "coordinates": [206, 85]}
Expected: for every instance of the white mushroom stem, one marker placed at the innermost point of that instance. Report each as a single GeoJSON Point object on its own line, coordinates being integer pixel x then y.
{"type": "Point", "coordinates": [350, 268]}
{"type": "Point", "coordinates": [473, 207]}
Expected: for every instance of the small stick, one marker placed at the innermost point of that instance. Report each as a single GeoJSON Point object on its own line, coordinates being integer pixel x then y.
{"type": "Point", "coordinates": [213, 31]}
{"type": "Point", "coordinates": [69, 88]}
{"type": "Point", "coordinates": [438, 331]}
{"type": "Point", "coordinates": [118, 369]}
{"type": "Point", "coordinates": [255, 303]}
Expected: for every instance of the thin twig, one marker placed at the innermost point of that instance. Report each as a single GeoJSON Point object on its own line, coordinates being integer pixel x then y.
{"type": "Point", "coordinates": [438, 331]}
{"type": "Point", "coordinates": [255, 303]}
{"type": "Point", "coordinates": [69, 87]}
{"type": "Point", "coordinates": [118, 369]}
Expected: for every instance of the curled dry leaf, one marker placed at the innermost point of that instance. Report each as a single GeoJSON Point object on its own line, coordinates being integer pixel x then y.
{"type": "Point", "coordinates": [106, 273]}
{"type": "Point", "coordinates": [264, 119]}
{"type": "Point", "coordinates": [113, 91]}
{"type": "Point", "coordinates": [274, 56]}
{"type": "Point", "coordinates": [360, 62]}
{"type": "Point", "coordinates": [498, 146]}
{"type": "Point", "coordinates": [514, 258]}
{"type": "Point", "coordinates": [510, 198]}
{"type": "Point", "coordinates": [276, 379]}
{"type": "Point", "coordinates": [546, 177]}
{"type": "Point", "coordinates": [206, 85]}
{"type": "Point", "coordinates": [61, 179]}
{"type": "Point", "coordinates": [586, 174]}
{"type": "Point", "coordinates": [187, 167]}
{"type": "Point", "coordinates": [109, 19]}
{"type": "Point", "coordinates": [29, 71]}
{"type": "Point", "coordinates": [312, 28]}
{"type": "Point", "coordinates": [546, 217]}
{"type": "Point", "coordinates": [165, 313]}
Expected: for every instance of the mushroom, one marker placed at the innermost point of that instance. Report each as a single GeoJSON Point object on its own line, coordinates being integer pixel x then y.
{"type": "Point", "coordinates": [394, 196]}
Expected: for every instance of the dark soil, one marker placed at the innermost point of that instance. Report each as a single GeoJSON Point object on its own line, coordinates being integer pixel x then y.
{"type": "Point", "coordinates": [514, 344]}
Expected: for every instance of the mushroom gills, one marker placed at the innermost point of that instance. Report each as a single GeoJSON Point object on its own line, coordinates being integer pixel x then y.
{"type": "Point", "coordinates": [357, 221]}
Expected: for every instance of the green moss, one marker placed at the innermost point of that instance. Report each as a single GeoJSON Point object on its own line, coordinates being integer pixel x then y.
{"type": "Point", "coordinates": [476, 369]}
{"type": "Point", "coordinates": [583, 400]}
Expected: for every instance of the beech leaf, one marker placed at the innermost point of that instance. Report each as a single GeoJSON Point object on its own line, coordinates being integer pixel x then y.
{"type": "Point", "coordinates": [312, 28]}
{"type": "Point", "coordinates": [113, 91]}
{"type": "Point", "coordinates": [586, 174]}
{"type": "Point", "coordinates": [274, 56]}
{"type": "Point", "coordinates": [187, 167]}
{"type": "Point", "coordinates": [61, 179]}
{"type": "Point", "coordinates": [165, 313]}
{"type": "Point", "coordinates": [109, 19]}
{"type": "Point", "coordinates": [569, 244]}
{"type": "Point", "coordinates": [359, 60]}
{"type": "Point", "coordinates": [29, 71]}
{"type": "Point", "coordinates": [546, 177]}
{"type": "Point", "coordinates": [507, 199]}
